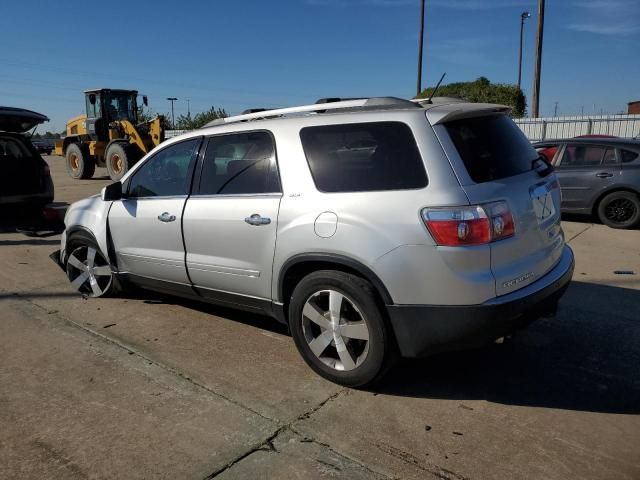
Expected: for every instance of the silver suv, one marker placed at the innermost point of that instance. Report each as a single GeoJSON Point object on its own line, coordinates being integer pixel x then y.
{"type": "Point", "coordinates": [372, 227]}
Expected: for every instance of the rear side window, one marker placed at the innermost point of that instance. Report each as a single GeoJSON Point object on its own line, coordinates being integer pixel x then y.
{"type": "Point", "coordinates": [582, 156]}
{"type": "Point", "coordinates": [628, 156]}
{"type": "Point", "coordinates": [491, 147]}
{"type": "Point", "coordinates": [362, 157]}
{"type": "Point", "coordinates": [242, 163]}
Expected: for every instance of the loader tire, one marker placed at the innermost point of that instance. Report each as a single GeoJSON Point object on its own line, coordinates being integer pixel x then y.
{"type": "Point", "coordinates": [119, 159]}
{"type": "Point", "coordinates": [79, 163]}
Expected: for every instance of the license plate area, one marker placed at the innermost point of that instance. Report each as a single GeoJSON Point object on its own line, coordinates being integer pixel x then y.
{"type": "Point", "coordinates": [544, 207]}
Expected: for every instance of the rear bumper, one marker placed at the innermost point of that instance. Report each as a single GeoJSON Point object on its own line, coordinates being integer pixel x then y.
{"type": "Point", "coordinates": [426, 329]}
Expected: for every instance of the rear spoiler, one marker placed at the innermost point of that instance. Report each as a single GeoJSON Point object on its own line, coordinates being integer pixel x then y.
{"type": "Point", "coordinates": [457, 111]}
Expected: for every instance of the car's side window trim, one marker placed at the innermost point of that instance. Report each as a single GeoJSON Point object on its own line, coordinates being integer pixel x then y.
{"type": "Point", "coordinates": [207, 140]}
{"type": "Point", "coordinates": [190, 171]}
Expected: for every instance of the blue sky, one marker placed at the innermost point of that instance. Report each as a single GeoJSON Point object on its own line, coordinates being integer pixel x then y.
{"type": "Point", "coordinates": [241, 53]}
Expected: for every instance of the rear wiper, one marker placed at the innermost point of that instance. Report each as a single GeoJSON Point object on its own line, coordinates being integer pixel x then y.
{"type": "Point", "coordinates": [542, 166]}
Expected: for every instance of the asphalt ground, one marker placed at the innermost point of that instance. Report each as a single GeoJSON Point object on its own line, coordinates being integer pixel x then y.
{"type": "Point", "coordinates": [150, 386]}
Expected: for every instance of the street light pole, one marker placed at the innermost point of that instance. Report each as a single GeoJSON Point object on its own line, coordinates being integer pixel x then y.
{"type": "Point", "coordinates": [420, 42]}
{"type": "Point", "coordinates": [173, 119]}
{"type": "Point", "coordinates": [535, 101]}
{"type": "Point", "coordinates": [523, 17]}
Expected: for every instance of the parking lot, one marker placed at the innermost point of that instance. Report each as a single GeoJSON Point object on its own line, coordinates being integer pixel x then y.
{"type": "Point", "coordinates": [149, 386]}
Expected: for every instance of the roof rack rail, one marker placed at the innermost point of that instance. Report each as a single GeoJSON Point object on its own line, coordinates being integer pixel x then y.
{"type": "Point", "coordinates": [361, 103]}
{"type": "Point", "coordinates": [338, 99]}
{"type": "Point", "coordinates": [255, 110]}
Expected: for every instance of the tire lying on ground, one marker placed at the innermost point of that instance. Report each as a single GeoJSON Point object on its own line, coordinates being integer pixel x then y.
{"type": "Point", "coordinates": [79, 163]}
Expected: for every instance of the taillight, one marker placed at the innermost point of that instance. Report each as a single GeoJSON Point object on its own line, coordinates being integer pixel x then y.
{"type": "Point", "coordinates": [473, 225]}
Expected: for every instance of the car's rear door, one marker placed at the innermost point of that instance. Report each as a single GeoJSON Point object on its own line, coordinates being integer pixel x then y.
{"type": "Point", "coordinates": [230, 221]}
{"type": "Point", "coordinates": [146, 224]}
{"type": "Point", "coordinates": [584, 170]}
{"type": "Point", "coordinates": [494, 161]}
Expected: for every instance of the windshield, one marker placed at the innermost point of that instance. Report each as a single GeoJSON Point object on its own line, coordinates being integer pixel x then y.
{"type": "Point", "coordinates": [491, 147]}
{"type": "Point", "coordinates": [121, 106]}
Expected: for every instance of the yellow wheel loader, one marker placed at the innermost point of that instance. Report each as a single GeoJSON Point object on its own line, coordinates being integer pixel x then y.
{"type": "Point", "coordinates": [109, 134]}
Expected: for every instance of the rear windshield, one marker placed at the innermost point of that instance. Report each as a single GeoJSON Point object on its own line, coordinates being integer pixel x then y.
{"type": "Point", "coordinates": [491, 147]}
{"type": "Point", "coordinates": [362, 157]}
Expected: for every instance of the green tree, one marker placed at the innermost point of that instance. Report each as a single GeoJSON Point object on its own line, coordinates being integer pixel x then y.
{"type": "Point", "coordinates": [199, 120]}
{"type": "Point", "coordinates": [483, 91]}
{"type": "Point", "coordinates": [145, 116]}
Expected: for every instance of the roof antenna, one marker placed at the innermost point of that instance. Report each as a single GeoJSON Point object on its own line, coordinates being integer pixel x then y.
{"type": "Point", "coordinates": [436, 89]}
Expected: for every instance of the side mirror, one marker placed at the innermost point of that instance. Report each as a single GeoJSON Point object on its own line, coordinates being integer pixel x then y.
{"type": "Point", "coordinates": [112, 192]}
{"type": "Point", "coordinates": [145, 100]}
{"type": "Point", "coordinates": [92, 98]}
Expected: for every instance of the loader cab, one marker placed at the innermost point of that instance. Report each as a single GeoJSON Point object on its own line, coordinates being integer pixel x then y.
{"type": "Point", "coordinates": [105, 106]}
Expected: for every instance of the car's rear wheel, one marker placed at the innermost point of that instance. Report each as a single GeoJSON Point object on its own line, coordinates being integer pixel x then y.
{"type": "Point", "coordinates": [620, 210]}
{"type": "Point", "coordinates": [339, 329]}
{"type": "Point", "coordinates": [89, 271]}
{"type": "Point", "coordinates": [79, 163]}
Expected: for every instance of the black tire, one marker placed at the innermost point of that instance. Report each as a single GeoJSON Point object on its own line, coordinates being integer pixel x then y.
{"type": "Point", "coordinates": [119, 159]}
{"type": "Point", "coordinates": [373, 357]}
{"type": "Point", "coordinates": [77, 249]}
{"type": "Point", "coordinates": [79, 163]}
{"type": "Point", "coordinates": [620, 210]}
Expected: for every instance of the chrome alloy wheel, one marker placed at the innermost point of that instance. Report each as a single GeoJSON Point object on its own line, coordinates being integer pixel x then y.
{"type": "Point", "coordinates": [335, 330]}
{"type": "Point", "coordinates": [88, 271]}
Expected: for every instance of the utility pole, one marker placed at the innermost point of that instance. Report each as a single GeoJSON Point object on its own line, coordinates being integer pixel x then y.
{"type": "Point", "coordinates": [188, 108]}
{"type": "Point", "coordinates": [173, 118]}
{"type": "Point", "coordinates": [420, 42]}
{"type": "Point", "coordinates": [535, 107]}
{"type": "Point", "coordinates": [555, 109]}
{"type": "Point", "coordinates": [523, 17]}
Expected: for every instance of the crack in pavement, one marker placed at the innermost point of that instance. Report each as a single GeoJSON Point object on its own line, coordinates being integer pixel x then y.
{"type": "Point", "coordinates": [265, 445]}
{"type": "Point", "coordinates": [268, 446]}
{"type": "Point", "coordinates": [580, 233]}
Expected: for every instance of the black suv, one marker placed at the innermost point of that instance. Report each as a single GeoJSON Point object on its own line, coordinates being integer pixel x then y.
{"type": "Point", "coordinates": [599, 176]}
{"type": "Point", "coordinates": [25, 184]}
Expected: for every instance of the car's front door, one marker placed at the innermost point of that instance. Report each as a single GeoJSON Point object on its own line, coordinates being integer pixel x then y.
{"type": "Point", "coordinates": [583, 170]}
{"type": "Point", "coordinates": [230, 220]}
{"type": "Point", "coordinates": [146, 224]}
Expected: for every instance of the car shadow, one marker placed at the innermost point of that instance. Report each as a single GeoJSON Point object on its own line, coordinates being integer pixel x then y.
{"type": "Point", "coordinates": [252, 319]}
{"type": "Point", "coordinates": [579, 218]}
{"type": "Point", "coordinates": [586, 358]}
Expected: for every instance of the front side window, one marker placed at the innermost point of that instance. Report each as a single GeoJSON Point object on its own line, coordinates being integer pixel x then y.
{"type": "Point", "coordinates": [167, 173]}
{"type": "Point", "coordinates": [240, 163]}
{"type": "Point", "coordinates": [582, 156]}
{"type": "Point", "coordinates": [362, 157]}
{"type": "Point", "coordinates": [121, 106]}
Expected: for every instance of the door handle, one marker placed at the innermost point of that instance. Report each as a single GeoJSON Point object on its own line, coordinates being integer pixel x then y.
{"type": "Point", "coordinates": [604, 175]}
{"type": "Point", "coordinates": [166, 217]}
{"type": "Point", "coordinates": [257, 220]}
